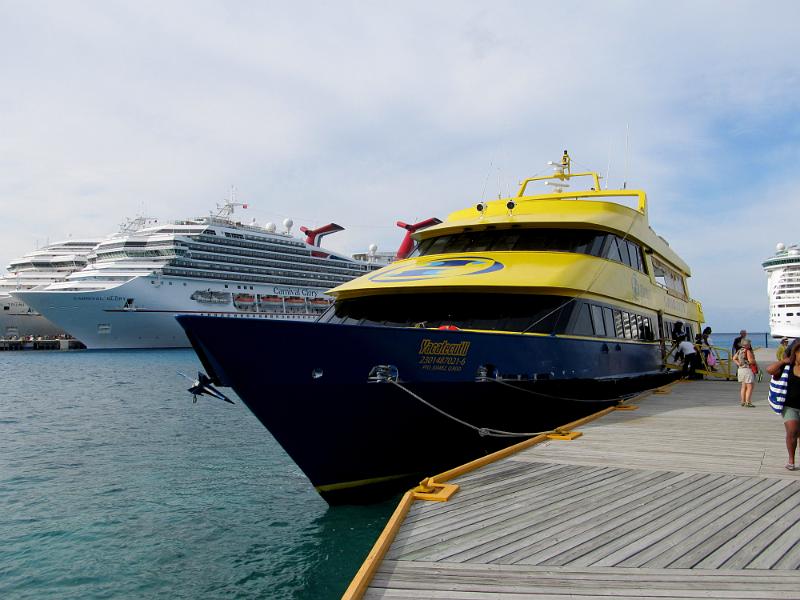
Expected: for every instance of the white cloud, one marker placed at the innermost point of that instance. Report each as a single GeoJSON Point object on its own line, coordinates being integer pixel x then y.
{"type": "Point", "coordinates": [369, 113]}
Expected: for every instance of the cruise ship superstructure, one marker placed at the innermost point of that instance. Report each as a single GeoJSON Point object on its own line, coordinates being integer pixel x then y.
{"type": "Point", "coordinates": [134, 285]}
{"type": "Point", "coordinates": [36, 270]}
{"type": "Point", "coordinates": [783, 289]}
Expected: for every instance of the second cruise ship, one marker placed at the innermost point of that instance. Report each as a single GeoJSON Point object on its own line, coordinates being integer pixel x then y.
{"type": "Point", "coordinates": [133, 286]}
{"type": "Point", "coordinates": [783, 288]}
{"type": "Point", "coordinates": [37, 270]}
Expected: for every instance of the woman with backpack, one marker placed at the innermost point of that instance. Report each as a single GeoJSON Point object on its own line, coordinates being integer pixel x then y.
{"type": "Point", "coordinates": [786, 382]}
{"type": "Point", "coordinates": [748, 368]}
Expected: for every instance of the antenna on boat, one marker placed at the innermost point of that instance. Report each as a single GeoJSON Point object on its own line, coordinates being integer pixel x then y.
{"type": "Point", "coordinates": [561, 171]}
{"type": "Point", "coordinates": [627, 153]}
{"type": "Point", "coordinates": [486, 181]}
{"type": "Point", "coordinates": [226, 210]}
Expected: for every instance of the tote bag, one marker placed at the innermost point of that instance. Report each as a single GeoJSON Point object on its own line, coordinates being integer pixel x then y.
{"type": "Point", "coordinates": [777, 390]}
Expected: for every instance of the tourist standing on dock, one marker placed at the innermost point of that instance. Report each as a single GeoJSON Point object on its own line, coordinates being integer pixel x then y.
{"type": "Point", "coordinates": [781, 350]}
{"type": "Point", "coordinates": [737, 342]}
{"type": "Point", "coordinates": [791, 404]}
{"type": "Point", "coordinates": [746, 362]}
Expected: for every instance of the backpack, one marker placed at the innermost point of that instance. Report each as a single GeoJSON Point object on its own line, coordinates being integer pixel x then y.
{"type": "Point", "coordinates": [777, 390]}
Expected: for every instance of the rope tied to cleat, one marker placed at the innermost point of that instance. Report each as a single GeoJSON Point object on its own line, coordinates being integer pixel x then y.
{"type": "Point", "coordinates": [482, 431]}
{"type": "Point", "coordinates": [543, 395]}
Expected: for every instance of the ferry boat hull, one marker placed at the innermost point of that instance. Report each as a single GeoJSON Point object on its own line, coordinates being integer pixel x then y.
{"type": "Point", "coordinates": [355, 438]}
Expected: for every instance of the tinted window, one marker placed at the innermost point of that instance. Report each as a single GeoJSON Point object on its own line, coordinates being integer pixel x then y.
{"type": "Point", "coordinates": [635, 253]}
{"type": "Point", "coordinates": [583, 321]}
{"type": "Point", "coordinates": [640, 326]}
{"type": "Point", "coordinates": [579, 241]}
{"type": "Point", "coordinates": [626, 324]}
{"type": "Point", "coordinates": [537, 314]}
{"type": "Point", "coordinates": [618, 324]}
{"type": "Point", "coordinates": [612, 253]}
{"type": "Point", "coordinates": [597, 319]}
{"type": "Point", "coordinates": [623, 251]}
{"type": "Point", "coordinates": [648, 329]}
{"type": "Point", "coordinates": [608, 319]}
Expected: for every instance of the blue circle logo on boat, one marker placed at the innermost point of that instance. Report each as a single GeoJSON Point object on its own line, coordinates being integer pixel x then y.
{"type": "Point", "coordinates": [454, 266]}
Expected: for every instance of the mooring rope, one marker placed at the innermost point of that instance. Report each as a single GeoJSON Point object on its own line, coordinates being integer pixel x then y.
{"type": "Point", "coordinates": [543, 395]}
{"type": "Point", "coordinates": [482, 431]}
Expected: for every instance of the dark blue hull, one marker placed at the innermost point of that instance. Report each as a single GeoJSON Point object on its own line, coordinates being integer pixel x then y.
{"type": "Point", "coordinates": [308, 383]}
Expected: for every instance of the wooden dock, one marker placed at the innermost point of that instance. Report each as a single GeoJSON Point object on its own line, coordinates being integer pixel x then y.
{"type": "Point", "coordinates": [686, 497]}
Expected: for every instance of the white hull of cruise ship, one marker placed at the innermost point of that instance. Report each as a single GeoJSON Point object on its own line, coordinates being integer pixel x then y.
{"type": "Point", "coordinates": [140, 313]}
{"type": "Point", "coordinates": [18, 320]}
{"type": "Point", "coordinates": [783, 287]}
{"type": "Point", "coordinates": [783, 290]}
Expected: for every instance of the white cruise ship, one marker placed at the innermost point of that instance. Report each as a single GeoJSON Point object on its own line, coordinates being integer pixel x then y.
{"type": "Point", "coordinates": [783, 288]}
{"type": "Point", "coordinates": [37, 270]}
{"type": "Point", "coordinates": [133, 286]}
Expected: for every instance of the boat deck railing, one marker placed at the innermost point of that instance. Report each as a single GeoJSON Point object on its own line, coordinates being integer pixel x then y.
{"type": "Point", "coordinates": [724, 367]}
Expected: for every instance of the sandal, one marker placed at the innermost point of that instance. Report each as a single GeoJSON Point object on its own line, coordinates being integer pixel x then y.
{"type": "Point", "coordinates": [750, 405]}
{"type": "Point", "coordinates": [789, 466]}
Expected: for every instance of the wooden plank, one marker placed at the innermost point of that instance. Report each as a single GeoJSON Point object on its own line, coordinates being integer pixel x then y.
{"type": "Point", "coordinates": [520, 501]}
{"type": "Point", "coordinates": [716, 547]}
{"type": "Point", "coordinates": [734, 577]}
{"type": "Point", "coordinates": [619, 534]}
{"type": "Point", "coordinates": [566, 490]}
{"type": "Point", "coordinates": [569, 524]}
{"type": "Point", "coordinates": [540, 519]}
{"type": "Point", "coordinates": [446, 577]}
{"type": "Point", "coordinates": [467, 512]}
{"type": "Point", "coordinates": [681, 542]}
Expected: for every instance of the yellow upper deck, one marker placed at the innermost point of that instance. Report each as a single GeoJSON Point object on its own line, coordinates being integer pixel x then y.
{"type": "Point", "coordinates": [594, 209]}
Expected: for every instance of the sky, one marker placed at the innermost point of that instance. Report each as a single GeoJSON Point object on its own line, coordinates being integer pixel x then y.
{"type": "Point", "coordinates": [366, 113]}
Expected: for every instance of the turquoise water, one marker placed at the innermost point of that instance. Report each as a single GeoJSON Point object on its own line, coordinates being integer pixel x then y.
{"type": "Point", "coordinates": [114, 485]}
{"type": "Point", "coordinates": [759, 339]}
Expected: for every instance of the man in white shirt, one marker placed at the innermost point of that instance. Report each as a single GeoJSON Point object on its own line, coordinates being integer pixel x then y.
{"type": "Point", "coordinates": [690, 357]}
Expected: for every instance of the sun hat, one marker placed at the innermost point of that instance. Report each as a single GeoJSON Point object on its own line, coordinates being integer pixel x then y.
{"type": "Point", "coordinates": [745, 343]}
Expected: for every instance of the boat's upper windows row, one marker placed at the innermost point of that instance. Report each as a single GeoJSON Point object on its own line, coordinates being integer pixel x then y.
{"type": "Point", "coordinates": [536, 314]}
{"type": "Point", "coordinates": [604, 321]}
{"type": "Point", "coordinates": [493, 312]}
{"type": "Point", "coordinates": [668, 278]}
{"type": "Point", "coordinates": [579, 241]}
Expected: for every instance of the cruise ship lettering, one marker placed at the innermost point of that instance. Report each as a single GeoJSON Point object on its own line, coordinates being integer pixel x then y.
{"type": "Point", "coordinates": [295, 292]}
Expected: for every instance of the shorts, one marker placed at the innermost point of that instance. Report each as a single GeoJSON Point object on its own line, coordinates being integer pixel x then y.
{"type": "Point", "coordinates": [745, 375]}
{"type": "Point", "coordinates": [790, 414]}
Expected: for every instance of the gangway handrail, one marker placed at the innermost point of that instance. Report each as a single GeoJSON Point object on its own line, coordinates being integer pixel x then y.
{"type": "Point", "coordinates": [724, 362]}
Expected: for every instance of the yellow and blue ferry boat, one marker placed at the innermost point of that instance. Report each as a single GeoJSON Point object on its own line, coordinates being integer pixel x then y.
{"type": "Point", "coordinates": [512, 316]}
